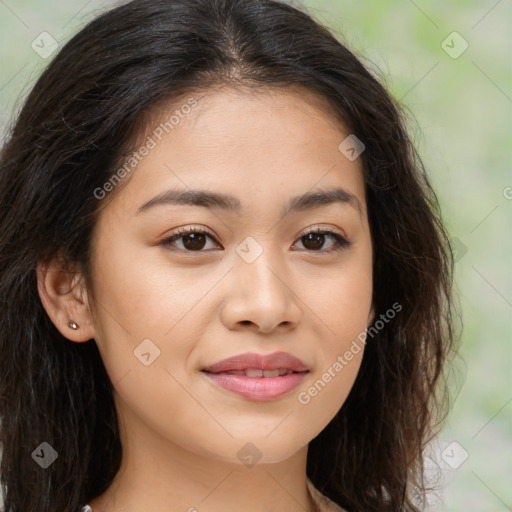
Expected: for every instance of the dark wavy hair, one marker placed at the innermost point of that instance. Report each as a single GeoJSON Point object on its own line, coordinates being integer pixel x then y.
{"type": "Point", "coordinates": [79, 121]}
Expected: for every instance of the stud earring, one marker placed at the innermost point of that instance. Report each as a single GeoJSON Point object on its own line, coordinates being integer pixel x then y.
{"type": "Point", "coordinates": [73, 325]}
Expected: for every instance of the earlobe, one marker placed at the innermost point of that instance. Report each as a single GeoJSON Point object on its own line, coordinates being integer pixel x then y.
{"type": "Point", "coordinates": [64, 298]}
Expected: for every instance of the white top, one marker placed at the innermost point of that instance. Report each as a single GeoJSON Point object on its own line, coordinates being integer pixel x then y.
{"type": "Point", "coordinates": [323, 502]}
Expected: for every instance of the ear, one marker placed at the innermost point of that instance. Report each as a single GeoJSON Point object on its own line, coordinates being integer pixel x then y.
{"type": "Point", "coordinates": [64, 297]}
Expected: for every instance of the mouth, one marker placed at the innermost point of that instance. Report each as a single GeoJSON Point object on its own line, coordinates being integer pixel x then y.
{"type": "Point", "coordinates": [257, 372]}
{"type": "Point", "coordinates": [258, 377]}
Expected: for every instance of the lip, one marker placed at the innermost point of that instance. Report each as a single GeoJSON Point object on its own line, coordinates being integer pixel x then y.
{"type": "Point", "coordinates": [262, 361]}
{"type": "Point", "coordinates": [258, 388]}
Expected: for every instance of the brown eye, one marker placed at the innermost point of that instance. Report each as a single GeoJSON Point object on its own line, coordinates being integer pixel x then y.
{"type": "Point", "coordinates": [314, 240]}
{"type": "Point", "coordinates": [193, 240]}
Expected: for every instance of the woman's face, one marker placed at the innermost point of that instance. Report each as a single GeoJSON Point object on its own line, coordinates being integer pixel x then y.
{"type": "Point", "coordinates": [248, 280]}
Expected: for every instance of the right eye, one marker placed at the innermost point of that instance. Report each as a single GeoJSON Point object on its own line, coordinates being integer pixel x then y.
{"type": "Point", "coordinates": [194, 239]}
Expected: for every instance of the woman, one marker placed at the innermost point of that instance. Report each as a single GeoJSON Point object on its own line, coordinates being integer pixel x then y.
{"type": "Point", "coordinates": [224, 277]}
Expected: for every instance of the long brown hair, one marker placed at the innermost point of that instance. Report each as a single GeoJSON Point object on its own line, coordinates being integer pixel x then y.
{"type": "Point", "coordinates": [68, 140]}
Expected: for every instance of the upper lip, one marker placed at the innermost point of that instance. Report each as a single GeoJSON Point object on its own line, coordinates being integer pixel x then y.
{"type": "Point", "coordinates": [274, 361]}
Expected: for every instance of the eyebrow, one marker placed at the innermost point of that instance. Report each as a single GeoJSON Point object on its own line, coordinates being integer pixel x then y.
{"type": "Point", "coordinates": [218, 200]}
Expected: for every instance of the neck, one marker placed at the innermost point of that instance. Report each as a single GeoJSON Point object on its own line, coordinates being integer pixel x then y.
{"type": "Point", "coordinates": [160, 476]}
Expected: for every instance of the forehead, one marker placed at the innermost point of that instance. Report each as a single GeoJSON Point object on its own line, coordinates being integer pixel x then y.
{"type": "Point", "coordinates": [231, 103]}
{"type": "Point", "coordinates": [282, 140]}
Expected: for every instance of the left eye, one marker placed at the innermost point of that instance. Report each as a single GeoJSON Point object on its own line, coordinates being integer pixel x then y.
{"type": "Point", "coordinates": [194, 240]}
{"type": "Point", "coordinates": [316, 238]}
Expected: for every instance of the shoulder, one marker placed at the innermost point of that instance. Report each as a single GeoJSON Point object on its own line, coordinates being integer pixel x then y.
{"type": "Point", "coordinates": [323, 502]}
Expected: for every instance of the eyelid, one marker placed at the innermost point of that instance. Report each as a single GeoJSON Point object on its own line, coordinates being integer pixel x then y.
{"type": "Point", "coordinates": [185, 230]}
{"type": "Point", "coordinates": [328, 229]}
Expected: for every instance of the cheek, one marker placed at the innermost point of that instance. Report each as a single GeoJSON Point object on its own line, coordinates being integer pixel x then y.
{"type": "Point", "coordinates": [342, 306]}
{"type": "Point", "coordinates": [339, 354]}
{"type": "Point", "coordinates": [147, 319]}
{"type": "Point", "coordinates": [325, 394]}
{"type": "Point", "coordinates": [157, 399]}
{"type": "Point", "coordinates": [139, 295]}
{"type": "Point", "coordinates": [341, 300]}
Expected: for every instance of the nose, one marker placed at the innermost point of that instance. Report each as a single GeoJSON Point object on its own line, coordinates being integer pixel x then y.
{"type": "Point", "coordinates": [260, 296]}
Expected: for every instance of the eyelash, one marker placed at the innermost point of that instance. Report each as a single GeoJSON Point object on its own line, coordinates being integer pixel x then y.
{"type": "Point", "coordinates": [341, 242]}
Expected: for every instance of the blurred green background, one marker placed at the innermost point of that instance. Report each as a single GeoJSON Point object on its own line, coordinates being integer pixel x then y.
{"type": "Point", "coordinates": [456, 89]}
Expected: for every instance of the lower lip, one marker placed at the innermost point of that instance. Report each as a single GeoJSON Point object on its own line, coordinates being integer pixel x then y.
{"type": "Point", "coordinates": [257, 388]}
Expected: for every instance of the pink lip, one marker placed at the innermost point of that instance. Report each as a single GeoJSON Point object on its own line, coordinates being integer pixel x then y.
{"type": "Point", "coordinates": [258, 388]}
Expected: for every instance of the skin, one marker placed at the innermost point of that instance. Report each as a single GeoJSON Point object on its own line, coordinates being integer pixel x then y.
{"type": "Point", "coordinates": [181, 433]}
